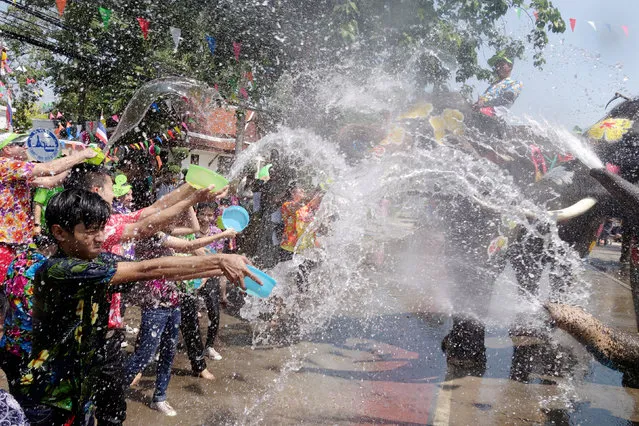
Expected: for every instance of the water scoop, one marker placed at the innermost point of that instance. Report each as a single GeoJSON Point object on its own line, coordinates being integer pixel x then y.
{"type": "Point", "coordinates": [201, 177]}
{"type": "Point", "coordinates": [254, 289]}
{"type": "Point", "coordinates": [98, 159]}
{"type": "Point", "coordinates": [235, 217]}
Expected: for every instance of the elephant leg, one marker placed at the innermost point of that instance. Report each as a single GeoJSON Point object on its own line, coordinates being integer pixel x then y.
{"type": "Point", "coordinates": [464, 347]}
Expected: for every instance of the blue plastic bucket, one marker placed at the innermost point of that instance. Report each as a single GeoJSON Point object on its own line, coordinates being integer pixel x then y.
{"type": "Point", "coordinates": [254, 289]}
{"type": "Point", "coordinates": [235, 217]}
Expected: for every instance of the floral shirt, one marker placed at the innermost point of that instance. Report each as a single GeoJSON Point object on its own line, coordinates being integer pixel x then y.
{"type": "Point", "coordinates": [16, 223]}
{"type": "Point", "coordinates": [70, 313]}
{"type": "Point", "coordinates": [502, 93]}
{"type": "Point", "coordinates": [295, 222]}
{"type": "Point", "coordinates": [18, 288]}
{"type": "Point", "coordinates": [113, 235]}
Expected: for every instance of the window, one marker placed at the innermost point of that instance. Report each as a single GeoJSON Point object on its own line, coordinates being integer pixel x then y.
{"type": "Point", "coordinates": [195, 159]}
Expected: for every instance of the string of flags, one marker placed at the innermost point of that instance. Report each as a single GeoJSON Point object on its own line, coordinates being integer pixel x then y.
{"type": "Point", "coordinates": [150, 145]}
{"type": "Point", "coordinates": [145, 26]}
{"type": "Point", "coordinates": [573, 23]}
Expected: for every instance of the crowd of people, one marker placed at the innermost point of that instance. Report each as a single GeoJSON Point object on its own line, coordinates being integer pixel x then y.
{"type": "Point", "coordinates": [74, 253]}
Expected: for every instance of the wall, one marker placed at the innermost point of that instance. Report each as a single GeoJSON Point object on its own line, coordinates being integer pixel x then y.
{"type": "Point", "coordinates": [212, 160]}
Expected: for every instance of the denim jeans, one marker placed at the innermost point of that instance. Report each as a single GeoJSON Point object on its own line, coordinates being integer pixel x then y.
{"type": "Point", "coordinates": [159, 329]}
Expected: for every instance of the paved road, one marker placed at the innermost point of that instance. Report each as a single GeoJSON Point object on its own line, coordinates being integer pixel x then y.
{"type": "Point", "coordinates": [389, 369]}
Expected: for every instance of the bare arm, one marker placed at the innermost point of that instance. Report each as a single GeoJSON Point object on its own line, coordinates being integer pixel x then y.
{"type": "Point", "coordinates": [148, 225]}
{"type": "Point", "coordinates": [231, 266]}
{"type": "Point", "coordinates": [187, 246]}
{"type": "Point", "coordinates": [173, 197]}
{"type": "Point", "coordinates": [50, 181]}
{"type": "Point", "coordinates": [62, 164]}
{"type": "Point", "coordinates": [192, 227]}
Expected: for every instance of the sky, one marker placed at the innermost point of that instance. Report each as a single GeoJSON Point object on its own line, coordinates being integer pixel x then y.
{"type": "Point", "coordinates": [584, 68]}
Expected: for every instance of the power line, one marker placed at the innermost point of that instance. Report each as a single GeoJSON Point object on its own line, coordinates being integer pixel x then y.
{"type": "Point", "coordinates": [37, 14]}
{"type": "Point", "coordinates": [42, 44]}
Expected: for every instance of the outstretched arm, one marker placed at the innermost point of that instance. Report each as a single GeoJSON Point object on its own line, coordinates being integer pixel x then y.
{"type": "Point", "coordinates": [50, 181]}
{"type": "Point", "coordinates": [63, 164]}
{"type": "Point", "coordinates": [231, 266]}
{"type": "Point", "coordinates": [170, 199]}
{"type": "Point", "coordinates": [151, 224]}
{"type": "Point", "coordinates": [191, 227]}
{"type": "Point", "coordinates": [188, 246]}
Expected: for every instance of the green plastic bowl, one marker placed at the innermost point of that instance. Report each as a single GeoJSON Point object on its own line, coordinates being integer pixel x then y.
{"type": "Point", "coordinates": [201, 177]}
{"type": "Point", "coordinates": [98, 159]}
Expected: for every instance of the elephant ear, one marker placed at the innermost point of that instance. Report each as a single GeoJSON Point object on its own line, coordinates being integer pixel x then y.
{"type": "Point", "coordinates": [559, 176]}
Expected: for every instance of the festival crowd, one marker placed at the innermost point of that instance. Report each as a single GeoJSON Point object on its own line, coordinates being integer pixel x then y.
{"type": "Point", "coordinates": [75, 253]}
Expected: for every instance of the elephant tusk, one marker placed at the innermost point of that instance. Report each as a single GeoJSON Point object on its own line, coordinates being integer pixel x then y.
{"type": "Point", "coordinates": [577, 209]}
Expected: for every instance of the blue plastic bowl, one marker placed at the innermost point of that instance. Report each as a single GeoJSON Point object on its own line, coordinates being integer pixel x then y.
{"type": "Point", "coordinates": [235, 217]}
{"type": "Point", "coordinates": [254, 289]}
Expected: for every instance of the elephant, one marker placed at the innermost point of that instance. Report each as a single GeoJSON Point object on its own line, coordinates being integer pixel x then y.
{"type": "Point", "coordinates": [554, 179]}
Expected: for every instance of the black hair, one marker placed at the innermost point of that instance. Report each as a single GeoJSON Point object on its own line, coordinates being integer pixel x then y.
{"type": "Point", "coordinates": [202, 206]}
{"type": "Point", "coordinates": [75, 206]}
{"type": "Point", "coordinates": [86, 176]}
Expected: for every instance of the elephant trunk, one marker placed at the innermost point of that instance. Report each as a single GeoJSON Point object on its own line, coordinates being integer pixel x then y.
{"type": "Point", "coordinates": [623, 191]}
{"type": "Point", "coordinates": [615, 348]}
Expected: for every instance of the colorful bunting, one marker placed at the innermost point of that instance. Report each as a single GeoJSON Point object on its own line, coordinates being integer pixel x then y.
{"type": "Point", "coordinates": [244, 93]}
{"type": "Point", "coordinates": [625, 30]}
{"type": "Point", "coordinates": [573, 22]}
{"type": "Point", "coordinates": [105, 14]}
{"type": "Point", "coordinates": [536, 14]}
{"type": "Point", "coordinates": [518, 9]}
{"type": "Point", "coordinates": [592, 24]}
{"type": "Point", "coordinates": [59, 115]}
{"type": "Point", "coordinates": [236, 50]}
{"type": "Point", "coordinates": [211, 42]}
{"type": "Point", "coordinates": [115, 118]}
{"type": "Point", "coordinates": [51, 117]}
{"type": "Point", "coordinates": [176, 33]}
{"type": "Point", "coordinates": [61, 4]}
{"type": "Point", "coordinates": [144, 26]}
{"type": "Point", "coordinates": [609, 27]}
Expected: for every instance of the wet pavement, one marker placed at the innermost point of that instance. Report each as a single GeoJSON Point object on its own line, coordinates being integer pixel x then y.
{"type": "Point", "coordinates": [389, 369]}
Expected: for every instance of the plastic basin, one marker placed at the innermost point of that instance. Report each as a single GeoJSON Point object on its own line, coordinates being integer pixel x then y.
{"type": "Point", "coordinates": [235, 217]}
{"type": "Point", "coordinates": [254, 289]}
{"type": "Point", "coordinates": [201, 177]}
{"type": "Point", "coordinates": [98, 159]}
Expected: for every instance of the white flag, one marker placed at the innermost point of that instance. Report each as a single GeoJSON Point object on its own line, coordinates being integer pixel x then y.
{"type": "Point", "coordinates": [176, 33]}
{"type": "Point", "coordinates": [592, 24]}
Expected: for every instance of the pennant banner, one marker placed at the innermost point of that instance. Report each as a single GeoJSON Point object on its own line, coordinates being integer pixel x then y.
{"type": "Point", "coordinates": [236, 50]}
{"type": "Point", "coordinates": [176, 33]}
{"type": "Point", "coordinates": [144, 26]}
{"type": "Point", "coordinates": [625, 30]}
{"type": "Point", "coordinates": [592, 24]}
{"type": "Point", "coordinates": [211, 42]}
{"type": "Point", "coordinates": [573, 22]}
{"type": "Point", "coordinates": [61, 4]}
{"type": "Point", "coordinates": [105, 14]}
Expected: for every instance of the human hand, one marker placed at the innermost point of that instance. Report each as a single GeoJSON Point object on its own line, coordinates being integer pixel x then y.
{"type": "Point", "coordinates": [234, 269]}
{"type": "Point", "coordinates": [230, 233]}
{"type": "Point", "coordinates": [87, 153]}
{"type": "Point", "coordinates": [210, 194]}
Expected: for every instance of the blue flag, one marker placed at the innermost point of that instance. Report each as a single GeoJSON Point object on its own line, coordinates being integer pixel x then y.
{"type": "Point", "coordinates": [211, 41]}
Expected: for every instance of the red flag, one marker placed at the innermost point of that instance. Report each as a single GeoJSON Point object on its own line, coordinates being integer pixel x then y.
{"type": "Point", "coordinates": [115, 118]}
{"type": "Point", "coordinates": [144, 26]}
{"type": "Point", "coordinates": [536, 15]}
{"type": "Point", "coordinates": [625, 30]}
{"type": "Point", "coordinates": [573, 22]}
{"type": "Point", "coordinates": [236, 50]}
{"type": "Point", "coordinates": [61, 4]}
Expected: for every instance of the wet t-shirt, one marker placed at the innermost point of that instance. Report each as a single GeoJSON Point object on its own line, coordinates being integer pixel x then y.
{"type": "Point", "coordinates": [502, 93]}
{"type": "Point", "coordinates": [70, 313]}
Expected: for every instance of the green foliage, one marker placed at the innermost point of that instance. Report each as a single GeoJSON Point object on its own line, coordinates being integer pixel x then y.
{"type": "Point", "coordinates": [104, 66]}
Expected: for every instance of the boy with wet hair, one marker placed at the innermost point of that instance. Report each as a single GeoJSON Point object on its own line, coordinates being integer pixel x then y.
{"type": "Point", "coordinates": [70, 310]}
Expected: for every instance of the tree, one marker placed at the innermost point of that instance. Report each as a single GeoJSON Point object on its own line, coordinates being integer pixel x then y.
{"type": "Point", "coordinates": [106, 63]}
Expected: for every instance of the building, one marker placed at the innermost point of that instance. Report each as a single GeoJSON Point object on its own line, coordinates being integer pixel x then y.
{"type": "Point", "coordinates": [212, 144]}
